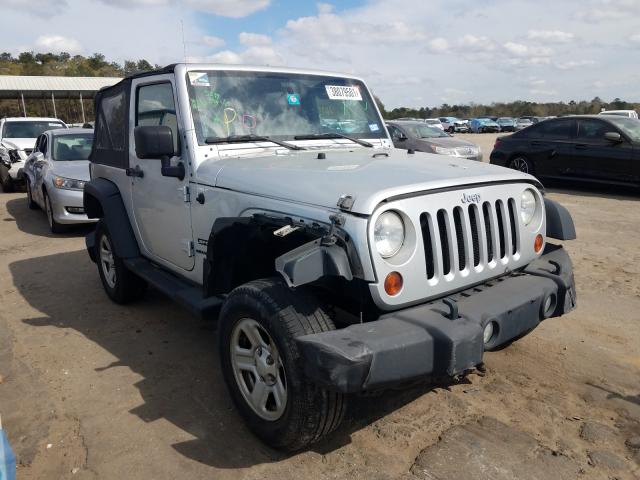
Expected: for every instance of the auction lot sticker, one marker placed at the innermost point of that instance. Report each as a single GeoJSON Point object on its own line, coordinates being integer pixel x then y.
{"type": "Point", "coordinates": [337, 92]}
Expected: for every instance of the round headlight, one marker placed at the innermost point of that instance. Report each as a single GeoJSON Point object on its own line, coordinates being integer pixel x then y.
{"type": "Point", "coordinates": [388, 234]}
{"type": "Point", "coordinates": [528, 205]}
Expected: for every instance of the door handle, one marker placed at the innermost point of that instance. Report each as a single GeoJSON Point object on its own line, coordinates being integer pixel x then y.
{"type": "Point", "coordinates": [581, 146]}
{"type": "Point", "coordinates": [134, 172]}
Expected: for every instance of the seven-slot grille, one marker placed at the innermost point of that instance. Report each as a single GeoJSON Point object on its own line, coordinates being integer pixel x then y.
{"type": "Point", "coordinates": [468, 237]}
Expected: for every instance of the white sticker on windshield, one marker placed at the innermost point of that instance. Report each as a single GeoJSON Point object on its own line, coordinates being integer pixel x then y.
{"type": "Point", "coordinates": [374, 127]}
{"type": "Point", "coordinates": [199, 79]}
{"type": "Point", "coordinates": [337, 92]}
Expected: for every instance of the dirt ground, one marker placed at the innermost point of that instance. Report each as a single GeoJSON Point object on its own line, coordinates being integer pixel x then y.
{"type": "Point", "coordinates": [89, 389]}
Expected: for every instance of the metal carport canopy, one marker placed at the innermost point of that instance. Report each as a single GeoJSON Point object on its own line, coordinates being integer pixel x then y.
{"type": "Point", "coordinates": [13, 86]}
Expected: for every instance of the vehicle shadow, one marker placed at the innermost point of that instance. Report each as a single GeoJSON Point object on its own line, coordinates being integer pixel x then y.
{"type": "Point", "coordinates": [34, 222]}
{"type": "Point", "coordinates": [175, 355]}
{"type": "Point", "coordinates": [615, 192]}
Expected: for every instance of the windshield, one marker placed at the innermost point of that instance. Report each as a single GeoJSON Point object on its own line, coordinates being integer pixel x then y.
{"type": "Point", "coordinates": [279, 105]}
{"type": "Point", "coordinates": [425, 131]}
{"type": "Point", "coordinates": [630, 126]}
{"type": "Point", "coordinates": [505, 120]}
{"type": "Point", "coordinates": [72, 147]}
{"type": "Point", "coordinates": [28, 129]}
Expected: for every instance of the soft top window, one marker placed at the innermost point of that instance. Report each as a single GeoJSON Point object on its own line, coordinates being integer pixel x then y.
{"type": "Point", "coordinates": [110, 145]}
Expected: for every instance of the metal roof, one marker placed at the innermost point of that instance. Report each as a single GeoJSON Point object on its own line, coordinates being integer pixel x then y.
{"type": "Point", "coordinates": [37, 86]}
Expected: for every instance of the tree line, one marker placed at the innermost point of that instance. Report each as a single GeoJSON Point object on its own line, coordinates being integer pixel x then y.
{"type": "Point", "coordinates": [96, 65]}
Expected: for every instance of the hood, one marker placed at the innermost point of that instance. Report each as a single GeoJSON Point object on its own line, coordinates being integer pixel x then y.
{"type": "Point", "coordinates": [76, 169]}
{"type": "Point", "coordinates": [19, 143]}
{"type": "Point", "coordinates": [302, 177]}
{"type": "Point", "coordinates": [447, 142]}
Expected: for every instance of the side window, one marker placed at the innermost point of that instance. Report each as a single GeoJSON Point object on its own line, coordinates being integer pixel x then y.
{"type": "Point", "coordinates": [590, 130]}
{"type": "Point", "coordinates": [111, 129]}
{"type": "Point", "coordinates": [559, 130]}
{"type": "Point", "coordinates": [395, 133]}
{"type": "Point", "coordinates": [533, 131]}
{"type": "Point", "coordinates": [155, 106]}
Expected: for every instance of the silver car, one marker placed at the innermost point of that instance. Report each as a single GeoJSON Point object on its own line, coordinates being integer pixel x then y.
{"type": "Point", "coordinates": [420, 137]}
{"type": "Point", "coordinates": [55, 174]}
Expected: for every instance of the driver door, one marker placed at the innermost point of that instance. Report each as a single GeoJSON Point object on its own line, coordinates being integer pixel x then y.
{"type": "Point", "coordinates": [160, 204]}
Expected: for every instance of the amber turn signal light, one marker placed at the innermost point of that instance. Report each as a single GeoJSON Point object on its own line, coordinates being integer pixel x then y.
{"type": "Point", "coordinates": [393, 284]}
{"type": "Point", "coordinates": [537, 244]}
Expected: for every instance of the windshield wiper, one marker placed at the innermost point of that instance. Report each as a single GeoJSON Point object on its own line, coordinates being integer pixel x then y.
{"type": "Point", "coordinates": [250, 138]}
{"type": "Point", "coordinates": [314, 136]}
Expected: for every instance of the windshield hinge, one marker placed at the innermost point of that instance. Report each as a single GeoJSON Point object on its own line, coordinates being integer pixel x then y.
{"type": "Point", "coordinates": [345, 202]}
{"type": "Point", "coordinates": [186, 193]}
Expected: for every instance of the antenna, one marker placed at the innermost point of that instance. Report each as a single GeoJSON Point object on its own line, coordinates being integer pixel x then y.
{"type": "Point", "coordinates": [184, 44]}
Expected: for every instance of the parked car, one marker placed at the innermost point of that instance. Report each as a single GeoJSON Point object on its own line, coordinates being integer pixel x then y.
{"type": "Point", "coordinates": [17, 138]}
{"type": "Point", "coordinates": [484, 125]}
{"type": "Point", "coordinates": [523, 122]}
{"type": "Point", "coordinates": [419, 137]}
{"type": "Point", "coordinates": [434, 122]}
{"type": "Point", "coordinates": [270, 222]}
{"type": "Point", "coordinates": [507, 124]}
{"type": "Point", "coordinates": [599, 148]}
{"type": "Point", "coordinates": [55, 174]}
{"type": "Point", "coordinates": [453, 124]}
{"type": "Point", "coordinates": [621, 113]}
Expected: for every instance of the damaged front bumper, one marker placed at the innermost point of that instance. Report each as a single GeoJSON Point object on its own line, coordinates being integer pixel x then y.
{"type": "Point", "coordinates": [442, 338]}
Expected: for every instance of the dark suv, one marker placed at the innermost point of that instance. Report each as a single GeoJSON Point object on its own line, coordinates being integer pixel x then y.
{"type": "Point", "coordinates": [586, 148]}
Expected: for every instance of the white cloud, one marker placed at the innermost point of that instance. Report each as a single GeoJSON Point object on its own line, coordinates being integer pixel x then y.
{"type": "Point", "coordinates": [476, 44]}
{"type": "Point", "coordinates": [58, 43]}
{"type": "Point", "coordinates": [635, 38]}
{"type": "Point", "coordinates": [438, 45]}
{"type": "Point", "coordinates": [257, 55]}
{"type": "Point", "coordinates": [609, 10]}
{"type": "Point", "coordinates": [550, 36]}
{"type": "Point", "coordinates": [254, 39]}
{"type": "Point", "coordinates": [213, 42]}
{"type": "Point", "coordinates": [573, 64]}
{"type": "Point", "coordinates": [224, 8]}
{"type": "Point", "coordinates": [522, 50]}
{"type": "Point", "coordinates": [39, 7]}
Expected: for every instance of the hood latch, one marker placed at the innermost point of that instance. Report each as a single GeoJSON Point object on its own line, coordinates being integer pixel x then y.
{"type": "Point", "coordinates": [345, 202]}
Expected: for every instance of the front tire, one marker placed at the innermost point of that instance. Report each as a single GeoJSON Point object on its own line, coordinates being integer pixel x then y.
{"type": "Point", "coordinates": [54, 226]}
{"type": "Point", "coordinates": [522, 164]}
{"type": "Point", "coordinates": [122, 285]}
{"type": "Point", "coordinates": [452, 130]}
{"type": "Point", "coordinates": [263, 367]}
{"type": "Point", "coordinates": [7, 184]}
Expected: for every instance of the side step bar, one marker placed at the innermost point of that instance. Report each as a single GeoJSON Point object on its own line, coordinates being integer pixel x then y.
{"type": "Point", "coordinates": [179, 290]}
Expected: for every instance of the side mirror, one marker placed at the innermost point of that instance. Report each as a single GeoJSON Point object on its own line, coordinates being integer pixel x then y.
{"type": "Point", "coordinates": [402, 137]}
{"type": "Point", "coordinates": [154, 141]}
{"type": "Point", "coordinates": [614, 137]}
{"type": "Point", "coordinates": [38, 157]}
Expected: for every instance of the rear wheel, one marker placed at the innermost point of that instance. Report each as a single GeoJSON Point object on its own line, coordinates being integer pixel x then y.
{"type": "Point", "coordinates": [7, 184]}
{"type": "Point", "coordinates": [121, 284]}
{"type": "Point", "coordinates": [452, 130]}
{"type": "Point", "coordinates": [522, 164]}
{"type": "Point", "coordinates": [263, 368]}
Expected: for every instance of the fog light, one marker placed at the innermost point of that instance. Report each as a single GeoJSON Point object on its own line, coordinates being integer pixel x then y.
{"type": "Point", "coordinates": [538, 243]}
{"type": "Point", "coordinates": [549, 306]}
{"type": "Point", "coordinates": [393, 284]}
{"type": "Point", "coordinates": [488, 332]}
{"type": "Point", "coordinates": [75, 209]}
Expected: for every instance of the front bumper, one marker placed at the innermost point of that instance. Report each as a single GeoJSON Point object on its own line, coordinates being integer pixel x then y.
{"type": "Point", "coordinates": [424, 341]}
{"type": "Point", "coordinates": [61, 200]}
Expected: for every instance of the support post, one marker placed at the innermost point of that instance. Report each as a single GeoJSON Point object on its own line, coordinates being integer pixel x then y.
{"type": "Point", "coordinates": [82, 109]}
{"type": "Point", "coordinates": [24, 109]}
{"type": "Point", "coordinates": [53, 99]}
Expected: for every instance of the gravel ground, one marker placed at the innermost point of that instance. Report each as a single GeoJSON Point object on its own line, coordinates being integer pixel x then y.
{"type": "Point", "coordinates": [89, 389]}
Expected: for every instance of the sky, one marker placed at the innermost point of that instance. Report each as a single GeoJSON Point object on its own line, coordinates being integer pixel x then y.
{"type": "Point", "coordinates": [411, 52]}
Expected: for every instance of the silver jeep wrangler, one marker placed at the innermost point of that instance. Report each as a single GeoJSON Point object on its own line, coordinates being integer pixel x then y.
{"type": "Point", "coordinates": [273, 201]}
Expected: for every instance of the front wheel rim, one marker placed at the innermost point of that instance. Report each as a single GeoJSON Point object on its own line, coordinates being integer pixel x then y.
{"type": "Point", "coordinates": [258, 369]}
{"type": "Point", "coordinates": [107, 262]}
{"type": "Point", "coordinates": [520, 164]}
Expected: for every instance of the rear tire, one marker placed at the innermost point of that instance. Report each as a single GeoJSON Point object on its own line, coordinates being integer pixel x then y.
{"type": "Point", "coordinates": [452, 130]}
{"type": "Point", "coordinates": [277, 316]}
{"type": "Point", "coordinates": [522, 164]}
{"type": "Point", "coordinates": [7, 184]}
{"type": "Point", "coordinates": [122, 285]}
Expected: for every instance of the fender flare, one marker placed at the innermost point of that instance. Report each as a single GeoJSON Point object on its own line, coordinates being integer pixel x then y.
{"type": "Point", "coordinates": [559, 221]}
{"type": "Point", "coordinates": [102, 199]}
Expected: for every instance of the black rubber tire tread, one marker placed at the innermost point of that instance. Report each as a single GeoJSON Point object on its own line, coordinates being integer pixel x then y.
{"type": "Point", "coordinates": [7, 185]}
{"type": "Point", "coordinates": [129, 287]}
{"type": "Point", "coordinates": [32, 205]}
{"type": "Point", "coordinates": [54, 226]}
{"type": "Point", "coordinates": [312, 412]}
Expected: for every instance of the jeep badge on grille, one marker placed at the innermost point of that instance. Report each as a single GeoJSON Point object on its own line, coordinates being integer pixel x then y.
{"type": "Point", "coordinates": [470, 198]}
